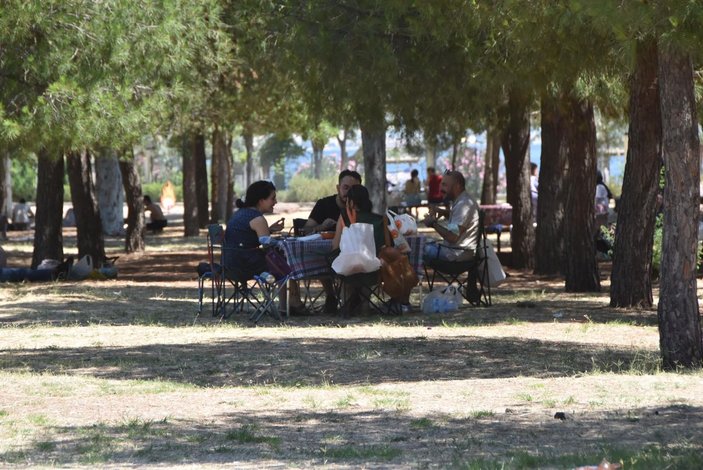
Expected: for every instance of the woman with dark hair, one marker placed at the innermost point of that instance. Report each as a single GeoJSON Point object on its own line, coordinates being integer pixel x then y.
{"type": "Point", "coordinates": [412, 189]}
{"type": "Point", "coordinates": [244, 229]}
{"type": "Point", "coordinates": [358, 200]}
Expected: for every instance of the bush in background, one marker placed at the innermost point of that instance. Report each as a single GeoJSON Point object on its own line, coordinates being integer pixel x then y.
{"type": "Point", "coordinates": [305, 189]}
{"type": "Point", "coordinates": [153, 190]}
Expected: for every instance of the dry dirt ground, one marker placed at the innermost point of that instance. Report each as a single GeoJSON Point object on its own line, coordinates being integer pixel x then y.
{"type": "Point", "coordinates": [124, 373]}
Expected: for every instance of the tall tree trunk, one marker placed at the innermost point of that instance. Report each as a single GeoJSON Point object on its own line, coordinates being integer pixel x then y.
{"type": "Point", "coordinates": [373, 141]}
{"type": "Point", "coordinates": [515, 141]}
{"type": "Point", "coordinates": [249, 167]}
{"type": "Point", "coordinates": [191, 222]}
{"type": "Point", "coordinates": [632, 265]}
{"type": "Point", "coordinates": [48, 235]}
{"type": "Point", "coordinates": [490, 177]}
{"type": "Point", "coordinates": [679, 318]}
{"type": "Point", "coordinates": [551, 198]}
{"type": "Point", "coordinates": [110, 193]}
{"type": "Point", "coordinates": [343, 157]}
{"type": "Point", "coordinates": [5, 184]}
{"type": "Point", "coordinates": [134, 240]}
{"type": "Point", "coordinates": [317, 159]}
{"type": "Point", "coordinates": [201, 178]}
{"type": "Point", "coordinates": [581, 267]}
{"type": "Point", "coordinates": [431, 155]}
{"type": "Point", "coordinates": [455, 152]}
{"type": "Point", "coordinates": [85, 206]}
{"type": "Point", "coordinates": [230, 177]}
{"type": "Point", "coordinates": [220, 176]}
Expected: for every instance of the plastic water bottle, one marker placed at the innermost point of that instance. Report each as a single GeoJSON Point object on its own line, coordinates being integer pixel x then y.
{"type": "Point", "coordinates": [267, 277]}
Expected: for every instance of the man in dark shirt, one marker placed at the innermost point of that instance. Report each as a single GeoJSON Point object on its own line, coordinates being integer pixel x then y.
{"type": "Point", "coordinates": [326, 211]}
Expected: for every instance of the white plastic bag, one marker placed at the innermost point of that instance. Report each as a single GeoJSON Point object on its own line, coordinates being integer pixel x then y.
{"type": "Point", "coordinates": [82, 269]}
{"type": "Point", "coordinates": [405, 223]}
{"type": "Point", "coordinates": [442, 300]}
{"type": "Point", "coordinates": [496, 275]}
{"type": "Point", "coordinates": [357, 251]}
{"type": "Point", "coordinates": [398, 239]}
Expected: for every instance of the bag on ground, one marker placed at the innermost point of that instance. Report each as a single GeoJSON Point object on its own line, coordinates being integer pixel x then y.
{"type": "Point", "coordinates": [397, 275]}
{"type": "Point", "coordinates": [496, 275]}
{"type": "Point", "coordinates": [442, 300]}
{"type": "Point", "coordinates": [357, 251]}
{"type": "Point", "coordinates": [81, 269]}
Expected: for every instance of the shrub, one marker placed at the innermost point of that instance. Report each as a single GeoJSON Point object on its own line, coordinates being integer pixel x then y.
{"type": "Point", "coordinates": [153, 190]}
{"type": "Point", "coordinates": [305, 189]}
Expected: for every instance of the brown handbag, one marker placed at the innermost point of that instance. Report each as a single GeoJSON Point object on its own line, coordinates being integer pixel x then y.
{"type": "Point", "coordinates": [397, 275]}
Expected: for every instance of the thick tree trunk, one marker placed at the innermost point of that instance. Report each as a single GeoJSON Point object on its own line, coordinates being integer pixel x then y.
{"type": "Point", "coordinates": [191, 221]}
{"type": "Point", "coordinates": [489, 191]}
{"type": "Point", "coordinates": [220, 177]}
{"type": "Point", "coordinates": [230, 177]}
{"type": "Point", "coordinates": [201, 178]}
{"type": "Point", "coordinates": [48, 235]}
{"type": "Point", "coordinates": [85, 206]}
{"type": "Point", "coordinates": [343, 157]}
{"type": "Point", "coordinates": [455, 152]}
{"type": "Point", "coordinates": [551, 199]}
{"type": "Point", "coordinates": [631, 284]}
{"type": "Point", "coordinates": [110, 193]}
{"type": "Point", "coordinates": [679, 318]}
{"type": "Point", "coordinates": [579, 242]}
{"type": "Point", "coordinates": [249, 167]}
{"type": "Point", "coordinates": [515, 141]}
{"type": "Point", "coordinates": [5, 184]}
{"type": "Point", "coordinates": [431, 155]}
{"type": "Point", "coordinates": [134, 241]}
{"type": "Point", "coordinates": [373, 141]}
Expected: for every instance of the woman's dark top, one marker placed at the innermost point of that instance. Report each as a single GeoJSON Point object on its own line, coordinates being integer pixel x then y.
{"type": "Point", "coordinates": [378, 222]}
{"type": "Point", "coordinates": [243, 258]}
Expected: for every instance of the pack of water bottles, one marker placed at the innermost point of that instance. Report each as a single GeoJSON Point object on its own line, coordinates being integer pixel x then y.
{"type": "Point", "coordinates": [442, 300]}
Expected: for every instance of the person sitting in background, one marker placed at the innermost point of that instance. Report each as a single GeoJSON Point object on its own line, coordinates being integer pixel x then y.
{"type": "Point", "coordinates": [434, 187]}
{"type": "Point", "coordinates": [326, 211]}
{"type": "Point", "coordinates": [603, 195]}
{"type": "Point", "coordinates": [21, 215]}
{"type": "Point", "coordinates": [158, 221]}
{"type": "Point", "coordinates": [460, 228]}
{"type": "Point", "coordinates": [412, 189]}
{"type": "Point", "coordinates": [243, 255]}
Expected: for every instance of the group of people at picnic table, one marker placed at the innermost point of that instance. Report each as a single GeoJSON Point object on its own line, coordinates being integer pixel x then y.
{"type": "Point", "coordinates": [456, 226]}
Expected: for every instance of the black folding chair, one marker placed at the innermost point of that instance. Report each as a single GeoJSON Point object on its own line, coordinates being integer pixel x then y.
{"type": "Point", "coordinates": [473, 285]}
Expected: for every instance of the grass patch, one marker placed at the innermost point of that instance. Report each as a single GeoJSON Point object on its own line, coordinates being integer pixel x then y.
{"type": "Point", "coordinates": [422, 423]}
{"type": "Point", "coordinates": [247, 435]}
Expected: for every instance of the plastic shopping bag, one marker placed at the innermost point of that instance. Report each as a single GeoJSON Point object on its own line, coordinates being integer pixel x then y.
{"type": "Point", "coordinates": [405, 223]}
{"type": "Point", "coordinates": [357, 251]}
{"type": "Point", "coordinates": [399, 240]}
{"type": "Point", "coordinates": [442, 300]}
{"type": "Point", "coordinates": [496, 275]}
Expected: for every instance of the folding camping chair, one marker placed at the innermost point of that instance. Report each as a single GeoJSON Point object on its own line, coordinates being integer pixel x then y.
{"type": "Point", "coordinates": [465, 273]}
{"type": "Point", "coordinates": [366, 289]}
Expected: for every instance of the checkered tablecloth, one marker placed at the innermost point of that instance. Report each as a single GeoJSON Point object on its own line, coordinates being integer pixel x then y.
{"type": "Point", "coordinates": [309, 258]}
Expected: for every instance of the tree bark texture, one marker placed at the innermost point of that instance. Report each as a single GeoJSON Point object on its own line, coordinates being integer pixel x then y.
{"type": "Point", "coordinates": [249, 167]}
{"type": "Point", "coordinates": [134, 240]}
{"type": "Point", "coordinates": [48, 235]}
{"type": "Point", "coordinates": [679, 318]}
{"type": "Point", "coordinates": [110, 194]}
{"type": "Point", "coordinates": [230, 177]}
{"type": "Point", "coordinates": [489, 190]}
{"type": "Point", "coordinates": [201, 178]}
{"type": "Point", "coordinates": [218, 174]}
{"type": "Point", "coordinates": [631, 280]}
{"type": "Point", "coordinates": [579, 221]}
{"type": "Point", "coordinates": [85, 207]}
{"type": "Point", "coordinates": [5, 185]}
{"type": "Point", "coordinates": [551, 198]}
{"type": "Point", "coordinates": [373, 141]}
{"type": "Point", "coordinates": [317, 159]}
{"type": "Point", "coordinates": [191, 221]}
{"type": "Point", "coordinates": [343, 157]}
{"type": "Point", "coordinates": [515, 141]}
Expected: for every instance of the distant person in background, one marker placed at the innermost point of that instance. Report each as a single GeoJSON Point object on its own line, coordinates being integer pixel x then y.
{"type": "Point", "coordinates": [69, 220]}
{"type": "Point", "coordinates": [434, 187]}
{"type": "Point", "coordinates": [534, 184]}
{"type": "Point", "coordinates": [21, 215]}
{"type": "Point", "coordinates": [168, 196]}
{"type": "Point", "coordinates": [158, 221]}
{"type": "Point", "coordinates": [603, 195]}
{"type": "Point", "coordinates": [412, 189]}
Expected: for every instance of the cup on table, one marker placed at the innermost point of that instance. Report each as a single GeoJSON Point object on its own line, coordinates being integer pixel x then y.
{"type": "Point", "coordinates": [298, 225]}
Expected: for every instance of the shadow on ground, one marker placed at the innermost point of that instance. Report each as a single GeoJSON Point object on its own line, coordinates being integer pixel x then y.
{"type": "Point", "coordinates": [668, 437]}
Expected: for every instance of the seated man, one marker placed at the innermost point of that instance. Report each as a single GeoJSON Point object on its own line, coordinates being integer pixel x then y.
{"type": "Point", "coordinates": [460, 228]}
{"type": "Point", "coordinates": [21, 215]}
{"type": "Point", "coordinates": [158, 221]}
{"type": "Point", "coordinates": [323, 217]}
{"type": "Point", "coordinates": [326, 211]}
